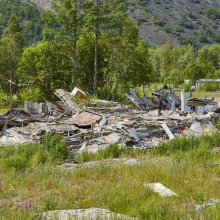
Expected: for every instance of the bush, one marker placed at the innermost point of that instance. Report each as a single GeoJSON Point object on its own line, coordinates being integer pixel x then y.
{"type": "Point", "coordinates": [51, 150]}
{"type": "Point", "coordinates": [165, 86]}
{"type": "Point", "coordinates": [203, 39]}
{"type": "Point", "coordinates": [198, 146]}
{"type": "Point", "coordinates": [112, 151]}
{"type": "Point", "coordinates": [186, 87]}
{"type": "Point", "coordinates": [56, 148]}
{"type": "Point", "coordinates": [209, 86]}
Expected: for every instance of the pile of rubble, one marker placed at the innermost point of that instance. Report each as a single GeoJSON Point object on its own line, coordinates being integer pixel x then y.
{"type": "Point", "coordinates": [142, 125]}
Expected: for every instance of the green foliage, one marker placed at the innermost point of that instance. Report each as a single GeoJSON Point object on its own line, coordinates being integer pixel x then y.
{"type": "Point", "coordinates": [112, 151]}
{"type": "Point", "coordinates": [209, 86]}
{"type": "Point", "coordinates": [182, 63]}
{"type": "Point", "coordinates": [29, 155]}
{"type": "Point", "coordinates": [186, 87]}
{"type": "Point", "coordinates": [187, 24]}
{"type": "Point", "coordinates": [56, 148]}
{"type": "Point", "coordinates": [159, 22]}
{"type": "Point", "coordinates": [216, 122]}
{"type": "Point", "coordinates": [212, 13]}
{"type": "Point", "coordinates": [10, 51]}
{"type": "Point", "coordinates": [140, 21]}
{"type": "Point", "coordinates": [32, 93]}
{"type": "Point", "coordinates": [29, 15]}
{"type": "Point", "coordinates": [48, 67]}
{"type": "Point", "coordinates": [157, 1]}
{"type": "Point", "coordinates": [48, 204]}
{"type": "Point", "coordinates": [201, 146]}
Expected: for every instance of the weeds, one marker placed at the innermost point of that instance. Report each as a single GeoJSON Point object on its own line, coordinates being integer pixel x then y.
{"type": "Point", "coordinates": [30, 155]}
{"type": "Point", "coordinates": [204, 142]}
{"type": "Point", "coordinates": [112, 151]}
{"type": "Point", "coordinates": [111, 184]}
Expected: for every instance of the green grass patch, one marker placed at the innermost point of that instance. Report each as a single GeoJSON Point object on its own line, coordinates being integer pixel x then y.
{"type": "Point", "coordinates": [112, 151]}
{"type": "Point", "coordinates": [24, 156]}
{"type": "Point", "coordinates": [112, 184]}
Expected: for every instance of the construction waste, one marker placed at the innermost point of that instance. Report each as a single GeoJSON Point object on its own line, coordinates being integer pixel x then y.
{"type": "Point", "coordinates": [144, 124]}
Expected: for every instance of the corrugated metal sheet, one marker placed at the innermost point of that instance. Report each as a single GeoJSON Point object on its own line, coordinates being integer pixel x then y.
{"type": "Point", "coordinates": [84, 119]}
{"type": "Point", "coordinates": [128, 122]}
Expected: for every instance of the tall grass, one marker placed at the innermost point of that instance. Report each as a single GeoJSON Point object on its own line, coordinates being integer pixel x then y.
{"type": "Point", "coordinates": [185, 144]}
{"type": "Point", "coordinates": [51, 150]}
{"type": "Point", "coordinates": [113, 184]}
{"type": "Point", "coordinates": [112, 151]}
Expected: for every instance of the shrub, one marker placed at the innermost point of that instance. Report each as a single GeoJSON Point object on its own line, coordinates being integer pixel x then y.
{"type": "Point", "coordinates": [56, 148]}
{"type": "Point", "coordinates": [112, 151]}
{"type": "Point", "coordinates": [51, 150]}
{"type": "Point", "coordinates": [200, 146]}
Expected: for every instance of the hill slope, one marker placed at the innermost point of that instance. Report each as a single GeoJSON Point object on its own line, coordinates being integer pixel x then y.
{"type": "Point", "coordinates": [177, 21]}
{"type": "Point", "coordinates": [29, 16]}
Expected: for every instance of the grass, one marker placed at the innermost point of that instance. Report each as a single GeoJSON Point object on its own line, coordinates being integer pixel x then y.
{"type": "Point", "coordinates": [197, 93]}
{"type": "Point", "coordinates": [114, 185]}
{"type": "Point", "coordinates": [52, 150]}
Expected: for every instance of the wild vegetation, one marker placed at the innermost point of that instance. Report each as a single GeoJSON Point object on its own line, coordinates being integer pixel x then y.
{"type": "Point", "coordinates": [186, 168]}
{"type": "Point", "coordinates": [99, 50]}
{"type": "Point", "coordinates": [95, 46]}
{"type": "Point", "coordinates": [28, 15]}
{"type": "Point", "coordinates": [187, 63]}
{"type": "Point", "coordinates": [179, 22]}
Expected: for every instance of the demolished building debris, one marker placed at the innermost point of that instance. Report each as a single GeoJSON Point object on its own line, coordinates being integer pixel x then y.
{"type": "Point", "coordinates": [143, 125]}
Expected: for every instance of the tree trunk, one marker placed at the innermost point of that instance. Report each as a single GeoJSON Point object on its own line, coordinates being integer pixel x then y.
{"type": "Point", "coordinates": [110, 85]}
{"type": "Point", "coordinates": [106, 82]}
{"type": "Point", "coordinates": [95, 64]}
{"type": "Point", "coordinates": [119, 79]}
{"type": "Point", "coordinates": [74, 65]}
{"type": "Point", "coordinates": [10, 99]}
{"type": "Point", "coordinates": [74, 54]}
{"type": "Point", "coordinates": [101, 87]}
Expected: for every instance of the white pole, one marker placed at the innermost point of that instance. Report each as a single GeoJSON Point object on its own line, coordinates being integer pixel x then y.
{"type": "Point", "coordinates": [183, 100]}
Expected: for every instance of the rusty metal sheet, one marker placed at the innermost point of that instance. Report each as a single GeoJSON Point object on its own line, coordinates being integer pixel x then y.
{"type": "Point", "coordinates": [58, 106]}
{"type": "Point", "coordinates": [128, 122]}
{"type": "Point", "coordinates": [84, 119]}
{"type": "Point", "coordinates": [182, 128]}
{"type": "Point", "coordinates": [112, 122]}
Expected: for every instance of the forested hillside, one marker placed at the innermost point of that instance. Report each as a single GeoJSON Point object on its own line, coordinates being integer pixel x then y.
{"type": "Point", "coordinates": [28, 14]}
{"type": "Point", "coordinates": [180, 22]}
{"type": "Point", "coordinates": [95, 46]}
{"type": "Point", "coordinates": [177, 21]}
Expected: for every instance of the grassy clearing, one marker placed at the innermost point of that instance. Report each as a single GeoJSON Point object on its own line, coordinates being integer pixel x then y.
{"type": "Point", "coordinates": [197, 93]}
{"type": "Point", "coordinates": [112, 184]}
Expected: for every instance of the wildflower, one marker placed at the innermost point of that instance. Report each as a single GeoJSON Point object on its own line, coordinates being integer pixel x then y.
{"type": "Point", "coordinates": [26, 206]}
{"type": "Point", "coordinates": [186, 206]}
{"type": "Point", "coordinates": [29, 202]}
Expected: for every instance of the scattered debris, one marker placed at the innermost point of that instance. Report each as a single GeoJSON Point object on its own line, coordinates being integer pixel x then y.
{"type": "Point", "coordinates": [160, 189]}
{"type": "Point", "coordinates": [143, 125]}
{"type": "Point", "coordinates": [84, 119]}
{"type": "Point", "coordinates": [200, 102]}
{"type": "Point", "coordinates": [78, 93]}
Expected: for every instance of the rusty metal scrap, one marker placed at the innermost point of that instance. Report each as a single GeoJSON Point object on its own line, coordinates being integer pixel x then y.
{"type": "Point", "coordinates": [84, 119]}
